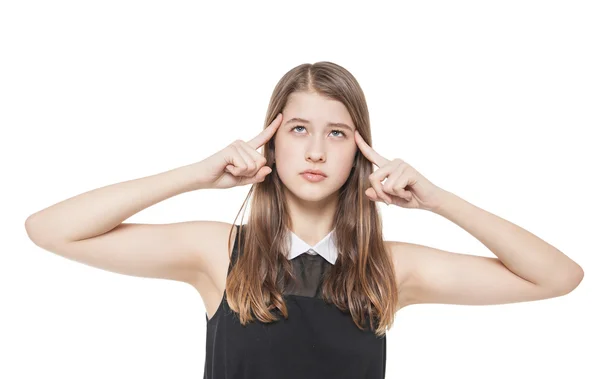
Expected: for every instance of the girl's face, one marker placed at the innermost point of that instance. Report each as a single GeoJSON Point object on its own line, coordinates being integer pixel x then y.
{"type": "Point", "coordinates": [315, 133]}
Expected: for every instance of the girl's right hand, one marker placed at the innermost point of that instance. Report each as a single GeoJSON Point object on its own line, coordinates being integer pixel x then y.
{"type": "Point", "coordinates": [239, 163]}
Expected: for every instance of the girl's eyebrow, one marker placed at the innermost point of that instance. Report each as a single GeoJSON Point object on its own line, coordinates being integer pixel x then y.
{"type": "Point", "coordinates": [329, 124]}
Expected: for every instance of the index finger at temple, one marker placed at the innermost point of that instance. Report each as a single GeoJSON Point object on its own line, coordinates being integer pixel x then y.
{"type": "Point", "coordinates": [266, 134]}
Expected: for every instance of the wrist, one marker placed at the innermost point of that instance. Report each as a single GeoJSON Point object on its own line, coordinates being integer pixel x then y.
{"type": "Point", "coordinates": [187, 178]}
{"type": "Point", "coordinates": [196, 174]}
{"type": "Point", "coordinates": [443, 199]}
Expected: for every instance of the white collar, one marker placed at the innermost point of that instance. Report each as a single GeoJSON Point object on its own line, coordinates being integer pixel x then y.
{"type": "Point", "coordinates": [325, 248]}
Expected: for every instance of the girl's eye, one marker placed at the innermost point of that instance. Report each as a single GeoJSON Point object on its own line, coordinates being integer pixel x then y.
{"type": "Point", "coordinates": [297, 127]}
{"type": "Point", "coordinates": [335, 130]}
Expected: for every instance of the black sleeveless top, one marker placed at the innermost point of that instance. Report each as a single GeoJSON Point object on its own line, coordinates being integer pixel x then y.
{"type": "Point", "coordinates": [316, 341]}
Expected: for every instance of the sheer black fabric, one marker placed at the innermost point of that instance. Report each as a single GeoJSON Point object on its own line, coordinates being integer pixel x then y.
{"type": "Point", "coordinates": [310, 271]}
{"type": "Point", "coordinates": [316, 341]}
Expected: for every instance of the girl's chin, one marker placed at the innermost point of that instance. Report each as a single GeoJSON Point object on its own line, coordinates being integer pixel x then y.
{"type": "Point", "coordinates": [314, 194]}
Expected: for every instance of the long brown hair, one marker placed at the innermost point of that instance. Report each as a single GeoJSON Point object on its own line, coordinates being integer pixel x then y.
{"type": "Point", "coordinates": [362, 281]}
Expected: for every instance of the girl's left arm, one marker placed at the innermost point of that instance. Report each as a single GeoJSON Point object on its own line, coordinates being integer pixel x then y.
{"type": "Point", "coordinates": [522, 252]}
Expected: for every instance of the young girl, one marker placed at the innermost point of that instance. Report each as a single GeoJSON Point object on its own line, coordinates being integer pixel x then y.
{"type": "Point", "coordinates": [308, 287]}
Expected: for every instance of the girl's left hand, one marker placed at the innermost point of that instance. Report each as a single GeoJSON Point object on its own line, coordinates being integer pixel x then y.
{"type": "Point", "coordinates": [404, 186]}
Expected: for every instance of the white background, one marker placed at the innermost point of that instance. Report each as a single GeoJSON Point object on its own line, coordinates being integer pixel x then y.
{"type": "Point", "coordinates": [497, 102]}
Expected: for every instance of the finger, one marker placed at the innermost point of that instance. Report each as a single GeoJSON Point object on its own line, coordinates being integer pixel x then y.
{"type": "Point", "coordinates": [268, 132]}
{"type": "Point", "coordinates": [397, 188]}
{"type": "Point", "coordinates": [396, 182]}
{"type": "Point", "coordinates": [368, 151]}
{"type": "Point", "coordinates": [249, 159]}
{"type": "Point", "coordinates": [259, 177]}
{"type": "Point", "coordinates": [257, 157]}
{"type": "Point", "coordinates": [377, 177]}
{"type": "Point", "coordinates": [238, 164]}
{"type": "Point", "coordinates": [263, 172]}
{"type": "Point", "coordinates": [250, 165]}
{"type": "Point", "coordinates": [370, 192]}
{"type": "Point", "coordinates": [235, 162]}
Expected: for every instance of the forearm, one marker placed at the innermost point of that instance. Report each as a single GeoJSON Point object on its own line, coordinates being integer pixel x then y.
{"type": "Point", "coordinates": [520, 251]}
{"type": "Point", "coordinates": [100, 210]}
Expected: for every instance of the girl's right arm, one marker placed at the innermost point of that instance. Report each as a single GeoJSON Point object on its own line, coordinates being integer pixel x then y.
{"type": "Point", "coordinates": [89, 228]}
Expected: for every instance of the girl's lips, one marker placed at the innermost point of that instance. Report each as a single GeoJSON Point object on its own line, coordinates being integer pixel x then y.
{"type": "Point", "coordinates": [312, 177]}
{"type": "Point", "coordinates": [314, 172]}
